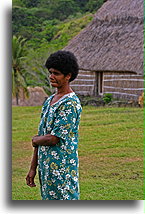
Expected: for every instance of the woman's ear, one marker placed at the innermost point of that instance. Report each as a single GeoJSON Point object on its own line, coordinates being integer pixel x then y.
{"type": "Point", "coordinates": [68, 76]}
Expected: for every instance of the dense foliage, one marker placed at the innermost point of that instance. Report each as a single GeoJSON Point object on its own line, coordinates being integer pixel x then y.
{"type": "Point", "coordinates": [47, 26]}
{"type": "Point", "coordinates": [32, 15]}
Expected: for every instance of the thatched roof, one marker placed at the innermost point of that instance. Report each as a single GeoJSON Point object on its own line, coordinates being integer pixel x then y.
{"type": "Point", "coordinates": [113, 41]}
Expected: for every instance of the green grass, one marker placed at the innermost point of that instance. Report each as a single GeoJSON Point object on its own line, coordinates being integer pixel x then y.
{"type": "Point", "coordinates": [110, 153]}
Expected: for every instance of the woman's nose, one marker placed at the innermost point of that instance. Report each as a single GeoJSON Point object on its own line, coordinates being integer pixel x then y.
{"type": "Point", "coordinates": [51, 76]}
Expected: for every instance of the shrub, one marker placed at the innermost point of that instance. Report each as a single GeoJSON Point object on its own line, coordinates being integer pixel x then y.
{"type": "Point", "coordinates": [107, 98]}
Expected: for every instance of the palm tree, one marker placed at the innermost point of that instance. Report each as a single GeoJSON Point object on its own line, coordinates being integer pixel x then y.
{"type": "Point", "coordinates": [18, 79]}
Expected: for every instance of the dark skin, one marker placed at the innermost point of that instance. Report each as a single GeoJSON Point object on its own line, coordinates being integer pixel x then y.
{"type": "Point", "coordinates": [61, 82]}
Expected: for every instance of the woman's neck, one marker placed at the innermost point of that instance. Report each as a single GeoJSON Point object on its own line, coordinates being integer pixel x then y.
{"type": "Point", "coordinates": [63, 90]}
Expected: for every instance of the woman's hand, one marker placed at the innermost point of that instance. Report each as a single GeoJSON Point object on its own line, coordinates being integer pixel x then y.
{"type": "Point", "coordinates": [35, 141]}
{"type": "Point", "coordinates": [30, 178]}
{"type": "Point", "coordinates": [32, 172]}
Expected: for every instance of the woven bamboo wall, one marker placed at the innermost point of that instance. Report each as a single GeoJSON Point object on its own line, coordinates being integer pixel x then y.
{"type": "Point", "coordinates": [125, 86]}
{"type": "Point", "coordinates": [84, 83]}
{"type": "Point", "coordinates": [122, 85]}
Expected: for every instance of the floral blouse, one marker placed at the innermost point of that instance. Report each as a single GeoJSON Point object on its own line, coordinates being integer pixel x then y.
{"type": "Point", "coordinates": [58, 165]}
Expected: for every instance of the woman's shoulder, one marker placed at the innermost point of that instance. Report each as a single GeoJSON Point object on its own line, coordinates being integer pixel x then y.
{"type": "Point", "coordinates": [71, 98]}
{"type": "Point", "coordinates": [71, 101]}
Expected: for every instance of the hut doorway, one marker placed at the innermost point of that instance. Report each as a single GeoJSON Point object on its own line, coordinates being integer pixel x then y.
{"type": "Point", "coordinates": [98, 83]}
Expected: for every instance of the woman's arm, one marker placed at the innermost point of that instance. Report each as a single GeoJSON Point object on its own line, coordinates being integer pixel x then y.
{"type": "Point", "coordinates": [46, 140]}
{"type": "Point", "coordinates": [32, 172]}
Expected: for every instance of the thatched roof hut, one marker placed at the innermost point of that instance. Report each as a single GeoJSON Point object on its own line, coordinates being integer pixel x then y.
{"type": "Point", "coordinates": [113, 41]}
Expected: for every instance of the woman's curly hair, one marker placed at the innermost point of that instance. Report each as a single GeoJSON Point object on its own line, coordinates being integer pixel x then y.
{"type": "Point", "coordinates": [65, 62]}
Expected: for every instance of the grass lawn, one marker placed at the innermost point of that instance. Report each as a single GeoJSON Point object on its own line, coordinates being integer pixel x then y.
{"type": "Point", "coordinates": [110, 153]}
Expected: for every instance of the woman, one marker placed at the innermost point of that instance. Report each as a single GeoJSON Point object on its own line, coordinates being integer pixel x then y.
{"type": "Point", "coordinates": [56, 145]}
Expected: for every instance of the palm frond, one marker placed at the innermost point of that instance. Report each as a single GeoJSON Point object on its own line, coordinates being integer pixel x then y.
{"type": "Point", "coordinates": [18, 55]}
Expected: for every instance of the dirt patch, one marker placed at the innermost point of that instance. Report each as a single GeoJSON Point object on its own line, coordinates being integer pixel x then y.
{"type": "Point", "coordinates": [131, 159]}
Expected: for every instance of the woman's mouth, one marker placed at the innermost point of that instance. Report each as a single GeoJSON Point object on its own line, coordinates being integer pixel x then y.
{"type": "Point", "coordinates": [52, 81]}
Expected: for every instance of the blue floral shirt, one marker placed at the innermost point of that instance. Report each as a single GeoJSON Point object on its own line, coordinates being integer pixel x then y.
{"type": "Point", "coordinates": [58, 165]}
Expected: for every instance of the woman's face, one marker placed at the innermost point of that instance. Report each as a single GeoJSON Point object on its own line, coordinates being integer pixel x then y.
{"type": "Point", "coordinates": [58, 79]}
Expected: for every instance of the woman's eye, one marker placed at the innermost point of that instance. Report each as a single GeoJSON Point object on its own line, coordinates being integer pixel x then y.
{"type": "Point", "coordinates": [54, 73]}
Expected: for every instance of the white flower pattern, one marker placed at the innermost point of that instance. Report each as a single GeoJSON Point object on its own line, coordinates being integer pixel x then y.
{"type": "Point", "coordinates": [58, 165]}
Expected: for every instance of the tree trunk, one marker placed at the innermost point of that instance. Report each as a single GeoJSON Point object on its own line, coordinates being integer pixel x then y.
{"type": "Point", "coordinates": [17, 99]}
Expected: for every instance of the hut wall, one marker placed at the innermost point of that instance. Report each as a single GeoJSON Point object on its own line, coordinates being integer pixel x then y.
{"type": "Point", "coordinates": [125, 86]}
{"type": "Point", "coordinates": [84, 83]}
{"type": "Point", "coordinates": [121, 85]}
